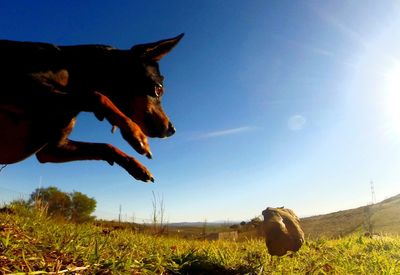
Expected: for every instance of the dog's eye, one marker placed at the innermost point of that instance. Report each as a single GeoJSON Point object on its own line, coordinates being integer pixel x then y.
{"type": "Point", "coordinates": [158, 89]}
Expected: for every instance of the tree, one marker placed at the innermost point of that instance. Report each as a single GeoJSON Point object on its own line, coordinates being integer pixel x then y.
{"type": "Point", "coordinates": [255, 221]}
{"type": "Point", "coordinates": [81, 207]}
{"type": "Point", "coordinates": [74, 206]}
{"type": "Point", "coordinates": [58, 202]}
{"type": "Point", "coordinates": [158, 218]}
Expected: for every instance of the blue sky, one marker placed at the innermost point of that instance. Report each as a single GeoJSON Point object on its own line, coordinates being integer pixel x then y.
{"type": "Point", "coordinates": [276, 103]}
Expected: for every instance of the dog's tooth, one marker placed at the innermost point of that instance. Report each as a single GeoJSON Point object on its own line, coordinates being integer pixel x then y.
{"type": "Point", "coordinates": [113, 129]}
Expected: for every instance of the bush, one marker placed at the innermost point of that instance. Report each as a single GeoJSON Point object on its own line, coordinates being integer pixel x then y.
{"type": "Point", "coordinates": [74, 206]}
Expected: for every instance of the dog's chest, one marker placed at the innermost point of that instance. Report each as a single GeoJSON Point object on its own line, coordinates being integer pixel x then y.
{"type": "Point", "coordinates": [14, 135]}
{"type": "Point", "coordinates": [22, 136]}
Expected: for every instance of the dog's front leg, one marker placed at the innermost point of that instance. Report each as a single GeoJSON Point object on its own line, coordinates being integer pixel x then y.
{"type": "Point", "coordinates": [104, 108]}
{"type": "Point", "coordinates": [70, 150]}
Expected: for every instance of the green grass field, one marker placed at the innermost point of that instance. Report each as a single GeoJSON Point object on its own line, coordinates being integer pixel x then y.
{"type": "Point", "coordinates": [31, 243]}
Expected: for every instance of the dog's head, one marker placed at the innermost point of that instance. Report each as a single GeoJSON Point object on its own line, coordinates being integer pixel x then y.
{"type": "Point", "coordinates": [132, 80]}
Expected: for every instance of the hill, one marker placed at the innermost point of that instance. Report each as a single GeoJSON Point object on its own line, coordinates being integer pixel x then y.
{"type": "Point", "coordinates": [382, 217]}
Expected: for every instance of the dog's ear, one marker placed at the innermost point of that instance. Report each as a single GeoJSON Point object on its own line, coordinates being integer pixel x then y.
{"type": "Point", "coordinates": [156, 50]}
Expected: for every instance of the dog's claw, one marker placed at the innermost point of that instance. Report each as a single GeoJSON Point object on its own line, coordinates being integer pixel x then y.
{"type": "Point", "coordinates": [136, 138]}
{"type": "Point", "coordinates": [146, 178]}
{"type": "Point", "coordinates": [146, 150]}
{"type": "Point", "coordinates": [134, 168]}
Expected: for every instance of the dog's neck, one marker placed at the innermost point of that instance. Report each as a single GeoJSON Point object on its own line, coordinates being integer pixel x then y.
{"type": "Point", "coordinates": [87, 64]}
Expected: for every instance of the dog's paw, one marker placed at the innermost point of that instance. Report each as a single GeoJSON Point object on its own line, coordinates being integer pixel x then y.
{"type": "Point", "coordinates": [136, 138]}
{"type": "Point", "coordinates": [136, 169]}
{"type": "Point", "coordinates": [130, 164]}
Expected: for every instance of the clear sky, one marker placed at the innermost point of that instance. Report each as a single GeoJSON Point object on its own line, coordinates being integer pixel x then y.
{"type": "Point", "coordinates": [276, 103]}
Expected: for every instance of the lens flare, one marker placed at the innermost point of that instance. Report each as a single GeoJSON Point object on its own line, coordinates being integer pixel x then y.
{"type": "Point", "coordinates": [392, 100]}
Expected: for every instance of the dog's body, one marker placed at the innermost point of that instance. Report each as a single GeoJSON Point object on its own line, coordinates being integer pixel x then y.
{"type": "Point", "coordinates": [44, 87]}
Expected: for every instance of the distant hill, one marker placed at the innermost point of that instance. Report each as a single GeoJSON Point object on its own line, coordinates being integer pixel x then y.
{"type": "Point", "coordinates": [201, 224]}
{"type": "Point", "coordinates": [382, 217]}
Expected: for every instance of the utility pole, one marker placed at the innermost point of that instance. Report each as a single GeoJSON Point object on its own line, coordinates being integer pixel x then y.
{"type": "Point", "coordinates": [373, 193]}
{"type": "Point", "coordinates": [119, 216]}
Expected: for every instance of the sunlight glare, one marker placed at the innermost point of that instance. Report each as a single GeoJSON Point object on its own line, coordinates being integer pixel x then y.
{"type": "Point", "coordinates": [392, 100]}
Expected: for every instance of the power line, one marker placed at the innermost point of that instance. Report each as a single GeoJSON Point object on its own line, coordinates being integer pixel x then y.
{"type": "Point", "coordinates": [2, 167]}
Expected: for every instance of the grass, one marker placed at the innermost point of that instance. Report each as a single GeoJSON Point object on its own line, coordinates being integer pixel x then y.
{"type": "Point", "coordinates": [32, 243]}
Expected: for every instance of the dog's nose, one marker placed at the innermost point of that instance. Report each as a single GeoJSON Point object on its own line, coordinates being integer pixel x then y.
{"type": "Point", "coordinates": [171, 130]}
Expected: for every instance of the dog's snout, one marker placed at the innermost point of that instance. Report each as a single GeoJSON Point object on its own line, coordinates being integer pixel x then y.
{"type": "Point", "coordinates": [171, 130]}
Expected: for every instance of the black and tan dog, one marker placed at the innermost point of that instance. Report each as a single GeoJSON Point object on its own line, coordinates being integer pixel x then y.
{"type": "Point", "coordinates": [43, 88]}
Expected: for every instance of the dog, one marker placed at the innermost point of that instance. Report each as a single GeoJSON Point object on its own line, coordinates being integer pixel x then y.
{"type": "Point", "coordinates": [44, 87]}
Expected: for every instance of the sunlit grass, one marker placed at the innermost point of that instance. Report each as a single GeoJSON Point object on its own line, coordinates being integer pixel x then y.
{"type": "Point", "coordinates": [33, 243]}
